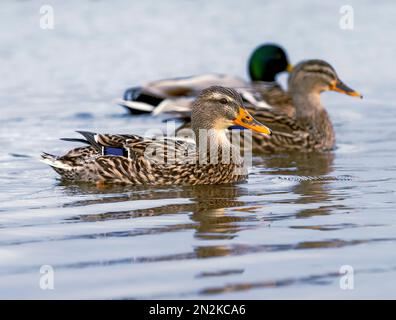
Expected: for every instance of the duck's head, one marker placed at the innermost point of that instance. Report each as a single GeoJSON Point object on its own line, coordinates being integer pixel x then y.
{"type": "Point", "coordinates": [315, 76]}
{"type": "Point", "coordinates": [266, 62]}
{"type": "Point", "coordinates": [219, 108]}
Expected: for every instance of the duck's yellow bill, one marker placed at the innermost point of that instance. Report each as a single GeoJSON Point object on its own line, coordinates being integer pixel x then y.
{"type": "Point", "coordinates": [339, 86]}
{"type": "Point", "coordinates": [289, 68]}
{"type": "Point", "coordinates": [245, 120]}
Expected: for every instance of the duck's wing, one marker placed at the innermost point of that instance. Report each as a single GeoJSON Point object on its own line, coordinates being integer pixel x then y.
{"type": "Point", "coordinates": [180, 106]}
{"type": "Point", "coordinates": [287, 132]}
{"type": "Point", "coordinates": [276, 120]}
{"type": "Point", "coordinates": [121, 158]}
{"type": "Point", "coordinates": [149, 97]}
{"type": "Point", "coordinates": [98, 144]}
{"type": "Point", "coordinates": [280, 100]}
{"type": "Point", "coordinates": [269, 95]}
{"type": "Point", "coordinates": [133, 146]}
{"type": "Point", "coordinates": [98, 141]}
{"type": "Point", "coordinates": [191, 86]}
{"type": "Point", "coordinates": [163, 150]}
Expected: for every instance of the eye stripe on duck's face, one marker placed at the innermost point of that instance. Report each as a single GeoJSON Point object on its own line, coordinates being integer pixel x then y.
{"type": "Point", "coordinates": [317, 76]}
{"type": "Point", "coordinates": [325, 72]}
{"type": "Point", "coordinates": [218, 92]}
{"type": "Point", "coordinates": [228, 99]}
{"type": "Point", "coordinates": [224, 98]}
{"type": "Point", "coordinates": [320, 69]}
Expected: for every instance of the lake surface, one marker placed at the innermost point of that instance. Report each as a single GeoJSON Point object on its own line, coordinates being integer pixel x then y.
{"type": "Point", "coordinates": [286, 233]}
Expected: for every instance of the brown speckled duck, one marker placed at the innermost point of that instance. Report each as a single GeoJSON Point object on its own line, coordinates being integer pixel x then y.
{"type": "Point", "coordinates": [131, 159]}
{"type": "Point", "coordinates": [306, 126]}
{"type": "Point", "coordinates": [298, 120]}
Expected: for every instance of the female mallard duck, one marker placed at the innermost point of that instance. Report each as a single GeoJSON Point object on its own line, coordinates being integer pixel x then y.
{"type": "Point", "coordinates": [176, 95]}
{"type": "Point", "coordinates": [302, 123]}
{"type": "Point", "coordinates": [131, 159]}
{"type": "Point", "coordinates": [306, 126]}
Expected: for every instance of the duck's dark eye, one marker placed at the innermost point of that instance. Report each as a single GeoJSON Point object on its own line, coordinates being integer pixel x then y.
{"type": "Point", "coordinates": [223, 101]}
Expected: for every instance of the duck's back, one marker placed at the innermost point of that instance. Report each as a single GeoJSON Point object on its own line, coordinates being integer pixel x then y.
{"type": "Point", "coordinates": [130, 159]}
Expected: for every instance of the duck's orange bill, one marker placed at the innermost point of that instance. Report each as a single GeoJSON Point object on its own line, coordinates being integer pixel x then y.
{"type": "Point", "coordinates": [245, 120]}
{"type": "Point", "coordinates": [339, 86]}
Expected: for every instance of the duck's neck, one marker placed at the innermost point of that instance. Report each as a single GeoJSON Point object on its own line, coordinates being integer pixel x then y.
{"type": "Point", "coordinates": [214, 146]}
{"type": "Point", "coordinates": [311, 113]}
{"type": "Point", "coordinates": [210, 138]}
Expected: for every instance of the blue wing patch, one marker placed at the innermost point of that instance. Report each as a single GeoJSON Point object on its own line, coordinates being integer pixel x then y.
{"type": "Point", "coordinates": [112, 151]}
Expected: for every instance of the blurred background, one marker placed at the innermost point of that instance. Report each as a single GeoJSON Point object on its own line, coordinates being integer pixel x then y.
{"type": "Point", "coordinates": [98, 48]}
{"type": "Point", "coordinates": [213, 242]}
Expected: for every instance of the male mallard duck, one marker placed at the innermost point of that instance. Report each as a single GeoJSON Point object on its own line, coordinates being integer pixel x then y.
{"type": "Point", "coordinates": [265, 63]}
{"type": "Point", "coordinates": [131, 159]}
{"type": "Point", "coordinates": [302, 123]}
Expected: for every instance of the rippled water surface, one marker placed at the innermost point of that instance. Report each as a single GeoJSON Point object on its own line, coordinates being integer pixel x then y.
{"type": "Point", "coordinates": [284, 234]}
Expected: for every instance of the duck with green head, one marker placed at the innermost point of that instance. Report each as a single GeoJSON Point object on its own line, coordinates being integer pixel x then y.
{"type": "Point", "coordinates": [176, 95]}
{"type": "Point", "coordinates": [266, 62]}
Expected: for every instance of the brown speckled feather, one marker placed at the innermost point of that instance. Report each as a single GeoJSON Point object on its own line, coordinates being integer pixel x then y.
{"type": "Point", "coordinates": [288, 133]}
{"type": "Point", "coordinates": [131, 159]}
{"type": "Point", "coordinates": [142, 167]}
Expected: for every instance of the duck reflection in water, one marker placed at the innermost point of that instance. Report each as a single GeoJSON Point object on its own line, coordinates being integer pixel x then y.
{"type": "Point", "coordinates": [312, 171]}
{"type": "Point", "coordinates": [217, 213]}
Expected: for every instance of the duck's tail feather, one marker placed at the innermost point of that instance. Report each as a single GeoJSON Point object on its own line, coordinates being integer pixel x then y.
{"type": "Point", "coordinates": [90, 139]}
{"type": "Point", "coordinates": [53, 161]}
{"type": "Point", "coordinates": [137, 100]}
{"type": "Point", "coordinates": [131, 94]}
{"type": "Point", "coordinates": [136, 107]}
{"type": "Point", "coordinates": [75, 140]}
